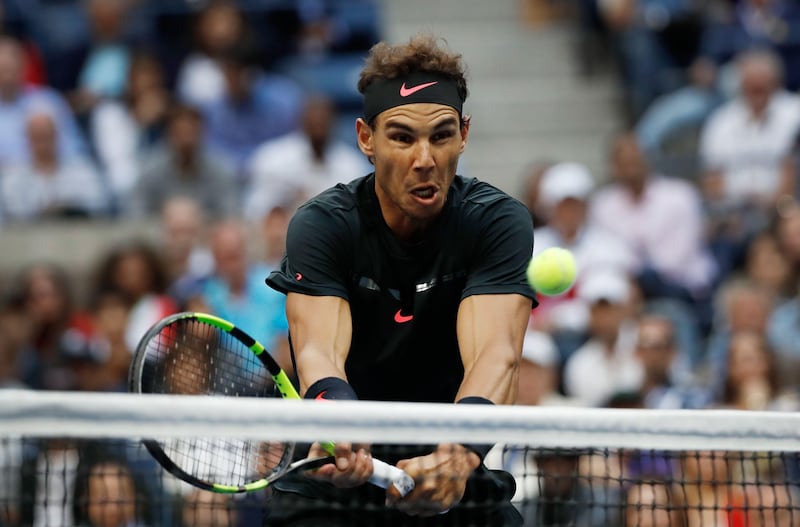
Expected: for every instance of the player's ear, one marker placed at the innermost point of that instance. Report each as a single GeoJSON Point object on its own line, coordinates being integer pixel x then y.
{"type": "Point", "coordinates": [364, 135]}
{"type": "Point", "coordinates": [464, 131]}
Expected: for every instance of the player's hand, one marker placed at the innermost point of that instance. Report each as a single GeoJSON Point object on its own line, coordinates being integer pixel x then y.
{"type": "Point", "coordinates": [440, 477]}
{"type": "Point", "coordinates": [352, 468]}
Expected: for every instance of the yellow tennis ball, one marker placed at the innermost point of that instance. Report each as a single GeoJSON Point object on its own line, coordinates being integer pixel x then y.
{"type": "Point", "coordinates": [552, 271]}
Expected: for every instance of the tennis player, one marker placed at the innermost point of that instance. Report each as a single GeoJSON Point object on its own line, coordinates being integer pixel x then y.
{"type": "Point", "coordinates": [408, 284]}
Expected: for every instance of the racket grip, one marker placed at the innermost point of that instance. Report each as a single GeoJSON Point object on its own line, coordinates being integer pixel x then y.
{"type": "Point", "coordinates": [384, 475]}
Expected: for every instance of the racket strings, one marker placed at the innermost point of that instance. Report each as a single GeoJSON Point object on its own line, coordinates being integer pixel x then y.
{"type": "Point", "coordinates": [190, 357]}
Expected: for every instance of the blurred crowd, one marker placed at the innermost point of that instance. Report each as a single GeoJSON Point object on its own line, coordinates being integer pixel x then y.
{"type": "Point", "coordinates": [687, 249]}
{"type": "Point", "coordinates": [214, 119]}
{"type": "Point", "coordinates": [217, 118]}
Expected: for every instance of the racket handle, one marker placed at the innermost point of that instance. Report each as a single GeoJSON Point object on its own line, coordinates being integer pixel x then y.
{"type": "Point", "coordinates": [384, 475]}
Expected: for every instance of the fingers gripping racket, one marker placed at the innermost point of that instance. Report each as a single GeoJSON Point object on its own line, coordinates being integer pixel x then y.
{"type": "Point", "coordinates": [196, 353]}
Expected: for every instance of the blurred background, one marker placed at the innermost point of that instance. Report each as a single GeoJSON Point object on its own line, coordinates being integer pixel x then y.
{"type": "Point", "coordinates": [152, 153]}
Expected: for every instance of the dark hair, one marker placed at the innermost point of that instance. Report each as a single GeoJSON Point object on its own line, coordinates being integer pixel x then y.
{"type": "Point", "coordinates": [56, 273]}
{"type": "Point", "coordinates": [105, 282]}
{"type": "Point", "coordinates": [96, 454]}
{"type": "Point", "coordinates": [773, 374]}
{"type": "Point", "coordinates": [422, 53]}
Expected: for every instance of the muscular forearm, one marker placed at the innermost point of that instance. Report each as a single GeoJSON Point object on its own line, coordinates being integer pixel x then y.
{"type": "Point", "coordinates": [494, 376]}
{"type": "Point", "coordinates": [315, 364]}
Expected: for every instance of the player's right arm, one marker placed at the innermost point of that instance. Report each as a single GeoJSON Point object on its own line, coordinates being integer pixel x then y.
{"type": "Point", "coordinates": [321, 330]}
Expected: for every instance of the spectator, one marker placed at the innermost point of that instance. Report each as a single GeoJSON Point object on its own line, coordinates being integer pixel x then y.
{"type": "Point", "coordinates": [771, 504]}
{"type": "Point", "coordinates": [753, 380]}
{"type": "Point", "coordinates": [682, 111]}
{"type": "Point", "coordinates": [711, 494]}
{"type": "Point", "coordinates": [15, 333]}
{"type": "Point", "coordinates": [565, 497]}
{"type": "Point", "coordinates": [109, 497]}
{"type": "Point", "coordinates": [57, 330]}
{"type": "Point", "coordinates": [289, 170]}
{"type": "Point", "coordinates": [218, 26]}
{"type": "Point", "coordinates": [744, 24]}
{"type": "Point", "coordinates": [655, 40]}
{"type": "Point", "coordinates": [661, 221]}
{"type": "Point", "coordinates": [50, 184]}
{"type": "Point", "coordinates": [254, 108]}
{"type": "Point", "coordinates": [564, 193]}
{"type": "Point", "coordinates": [18, 100]}
{"type": "Point", "coordinates": [606, 364]}
{"type": "Point", "coordinates": [786, 227]}
{"type": "Point", "coordinates": [35, 72]}
{"type": "Point", "coordinates": [237, 292]}
{"type": "Point", "coordinates": [183, 241]}
{"type": "Point", "coordinates": [741, 306]}
{"type": "Point", "coordinates": [767, 266]}
{"type": "Point", "coordinates": [746, 149]}
{"type": "Point", "coordinates": [123, 129]}
{"type": "Point", "coordinates": [49, 469]}
{"type": "Point", "coordinates": [136, 271]}
{"type": "Point", "coordinates": [97, 67]}
{"type": "Point", "coordinates": [666, 383]}
{"type": "Point", "coordinates": [181, 166]}
{"type": "Point", "coordinates": [327, 28]}
{"type": "Point", "coordinates": [653, 503]}
{"type": "Point", "coordinates": [207, 509]}
{"type": "Point", "coordinates": [108, 371]}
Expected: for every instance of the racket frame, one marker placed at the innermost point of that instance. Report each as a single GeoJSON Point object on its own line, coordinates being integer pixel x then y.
{"type": "Point", "coordinates": [383, 476]}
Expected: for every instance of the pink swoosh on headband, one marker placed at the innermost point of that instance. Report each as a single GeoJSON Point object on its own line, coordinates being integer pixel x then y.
{"type": "Point", "coordinates": [405, 92]}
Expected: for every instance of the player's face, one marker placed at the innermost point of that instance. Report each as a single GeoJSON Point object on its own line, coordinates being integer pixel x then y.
{"type": "Point", "coordinates": [415, 149]}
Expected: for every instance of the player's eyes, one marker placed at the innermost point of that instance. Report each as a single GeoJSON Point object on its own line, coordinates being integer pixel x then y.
{"type": "Point", "coordinates": [442, 136]}
{"type": "Point", "coordinates": [402, 138]}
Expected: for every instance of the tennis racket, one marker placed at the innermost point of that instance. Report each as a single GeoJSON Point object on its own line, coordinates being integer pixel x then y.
{"type": "Point", "coordinates": [195, 353]}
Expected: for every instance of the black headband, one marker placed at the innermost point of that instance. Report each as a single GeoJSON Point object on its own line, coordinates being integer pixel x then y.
{"type": "Point", "coordinates": [417, 87]}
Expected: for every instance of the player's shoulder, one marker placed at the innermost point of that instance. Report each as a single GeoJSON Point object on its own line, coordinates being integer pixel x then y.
{"type": "Point", "coordinates": [332, 214]}
{"type": "Point", "coordinates": [340, 199]}
{"type": "Point", "coordinates": [479, 197]}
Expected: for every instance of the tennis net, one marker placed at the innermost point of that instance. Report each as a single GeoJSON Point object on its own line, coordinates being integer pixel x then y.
{"type": "Point", "coordinates": [77, 459]}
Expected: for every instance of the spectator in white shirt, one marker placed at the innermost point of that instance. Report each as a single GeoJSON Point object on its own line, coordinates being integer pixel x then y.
{"type": "Point", "coordinates": [606, 364]}
{"type": "Point", "coordinates": [746, 148]}
{"type": "Point", "coordinates": [661, 221]}
{"type": "Point", "coordinates": [288, 170]}
{"type": "Point", "coordinates": [122, 130]}
{"type": "Point", "coordinates": [200, 78]}
{"type": "Point", "coordinates": [563, 195]}
{"type": "Point", "coordinates": [51, 183]}
{"type": "Point", "coordinates": [746, 144]}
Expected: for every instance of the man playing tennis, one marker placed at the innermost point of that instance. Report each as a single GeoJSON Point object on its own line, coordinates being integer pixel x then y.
{"type": "Point", "coordinates": [407, 285]}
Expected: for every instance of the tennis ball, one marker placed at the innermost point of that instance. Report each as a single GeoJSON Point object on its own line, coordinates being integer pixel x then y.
{"type": "Point", "coordinates": [552, 271]}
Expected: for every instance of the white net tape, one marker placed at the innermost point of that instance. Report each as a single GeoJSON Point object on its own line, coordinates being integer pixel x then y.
{"type": "Point", "coordinates": [73, 414]}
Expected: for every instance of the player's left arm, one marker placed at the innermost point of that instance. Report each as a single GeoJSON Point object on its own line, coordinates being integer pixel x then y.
{"type": "Point", "coordinates": [490, 331]}
{"type": "Point", "coordinates": [490, 326]}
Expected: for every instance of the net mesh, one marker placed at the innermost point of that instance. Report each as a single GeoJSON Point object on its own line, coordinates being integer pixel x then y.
{"type": "Point", "coordinates": [78, 459]}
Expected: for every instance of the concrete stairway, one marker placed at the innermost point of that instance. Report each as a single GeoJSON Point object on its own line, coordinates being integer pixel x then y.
{"type": "Point", "coordinates": [527, 99]}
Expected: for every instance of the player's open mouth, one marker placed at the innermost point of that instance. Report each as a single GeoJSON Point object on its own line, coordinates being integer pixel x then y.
{"type": "Point", "coordinates": [425, 195]}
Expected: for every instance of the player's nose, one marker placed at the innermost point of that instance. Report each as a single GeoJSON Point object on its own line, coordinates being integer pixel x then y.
{"type": "Point", "coordinates": [423, 156]}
